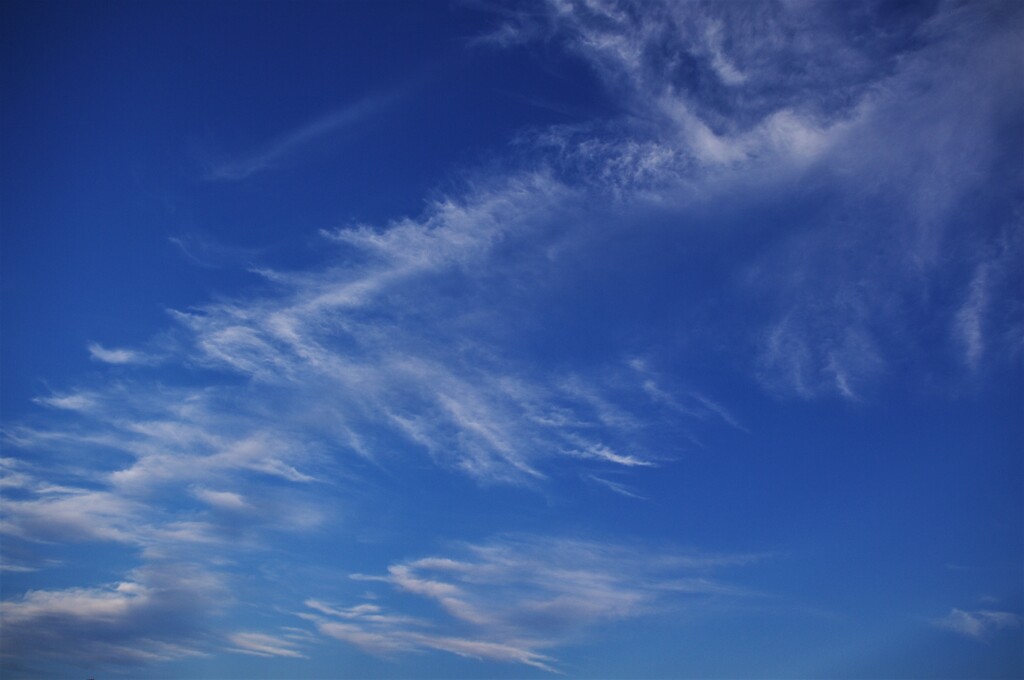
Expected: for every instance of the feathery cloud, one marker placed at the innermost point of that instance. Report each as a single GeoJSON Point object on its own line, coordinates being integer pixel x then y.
{"type": "Point", "coordinates": [520, 596]}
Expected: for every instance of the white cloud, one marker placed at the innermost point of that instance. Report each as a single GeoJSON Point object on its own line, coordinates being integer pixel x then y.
{"type": "Point", "coordinates": [163, 446]}
{"type": "Point", "coordinates": [603, 453]}
{"type": "Point", "coordinates": [970, 319]}
{"type": "Point", "coordinates": [480, 649]}
{"type": "Point", "coordinates": [521, 595]}
{"type": "Point", "coordinates": [979, 624]}
{"type": "Point", "coordinates": [225, 500]}
{"type": "Point", "coordinates": [689, 403]}
{"type": "Point", "coordinates": [261, 644]}
{"type": "Point", "coordinates": [725, 69]}
{"type": "Point", "coordinates": [390, 353]}
{"type": "Point", "coordinates": [71, 402]}
{"type": "Point", "coordinates": [155, 615]}
{"type": "Point", "coordinates": [618, 488]}
{"type": "Point", "coordinates": [332, 358]}
{"type": "Point", "coordinates": [801, 358]}
{"type": "Point", "coordinates": [715, 109]}
{"type": "Point", "coordinates": [73, 515]}
{"type": "Point", "coordinates": [116, 356]}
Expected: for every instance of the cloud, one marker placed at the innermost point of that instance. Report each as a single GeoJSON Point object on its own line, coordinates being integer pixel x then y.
{"type": "Point", "coordinates": [518, 596]}
{"type": "Point", "coordinates": [157, 614]}
{"type": "Point", "coordinates": [407, 641]}
{"type": "Point", "coordinates": [225, 500]}
{"type": "Point", "coordinates": [204, 251]}
{"type": "Point", "coordinates": [364, 358]}
{"type": "Point", "coordinates": [688, 403]}
{"type": "Point", "coordinates": [970, 317]}
{"type": "Point", "coordinates": [603, 453]}
{"type": "Point", "coordinates": [486, 335]}
{"type": "Point", "coordinates": [72, 515]}
{"type": "Point", "coordinates": [618, 488]}
{"type": "Point", "coordinates": [984, 316]}
{"type": "Point", "coordinates": [287, 145]}
{"type": "Point", "coordinates": [116, 356]}
{"type": "Point", "coordinates": [79, 401]}
{"type": "Point", "coordinates": [720, 62]}
{"type": "Point", "coordinates": [808, 361]}
{"type": "Point", "coordinates": [149, 456]}
{"type": "Point", "coordinates": [261, 644]}
{"type": "Point", "coordinates": [171, 436]}
{"type": "Point", "coordinates": [980, 624]}
{"type": "Point", "coordinates": [716, 115]}
{"type": "Point", "coordinates": [393, 352]}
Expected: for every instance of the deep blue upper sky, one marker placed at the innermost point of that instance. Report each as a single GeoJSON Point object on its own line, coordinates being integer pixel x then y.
{"type": "Point", "coordinates": [608, 339]}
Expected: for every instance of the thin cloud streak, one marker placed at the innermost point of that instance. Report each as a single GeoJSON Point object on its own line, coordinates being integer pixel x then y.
{"type": "Point", "coordinates": [294, 142]}
{"type": "Point", "coordinates": [616, 487]}
{"type": "Point", "coordinates": [262, 644]}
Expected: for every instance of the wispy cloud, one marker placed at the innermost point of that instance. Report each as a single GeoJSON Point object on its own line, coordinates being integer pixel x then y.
{"type": "Point", "coordinates": [617, 487]}
{"type": "Point", "coordinates": [799, 358]}
{"type": "Point", "coordinates": [73, 401]}
{"type": "Point", "coordinates": [414, 341]}
{"type": "Point", "coordinates": [689, 403]}
{"type": "Point", "coordinates": [117, 355]}
{"type": "Point", "coordinates": [225, 500]}
{"type": "Point", "coordinates": [334, 365]}
{"type": "Point", "coordinates": [204, 251]}
{"type": "Point", "coordinates": [739, 124]}
{"type": "Point", "coordinates": [980, 624]}
{"type": "Point", "coordinates": [970, 318]}
{"type": "Point", "coordinates": [330, 359]}
{"type": "Point", "coordinates": [177, 442]}
{"type": "Point", "coordinates": [394, 355]}
{"type": "Point", "coordinates": [293, 142]}
{"type": "Point", "coordinates": [262, 644]}
{"type": "Point", "coordinates": [720, 62]}
{"type": "Point", "coordinates": [522, 596]}
{"type": "Point", "coordinates": [157, 614]}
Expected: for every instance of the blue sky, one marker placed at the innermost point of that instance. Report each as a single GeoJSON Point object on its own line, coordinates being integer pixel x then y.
{"type": "Point", "coordinates": [555, 338]}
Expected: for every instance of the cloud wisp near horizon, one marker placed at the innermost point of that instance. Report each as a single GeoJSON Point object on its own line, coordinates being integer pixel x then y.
{"type": "Point", "coordinates": [610, 359]}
